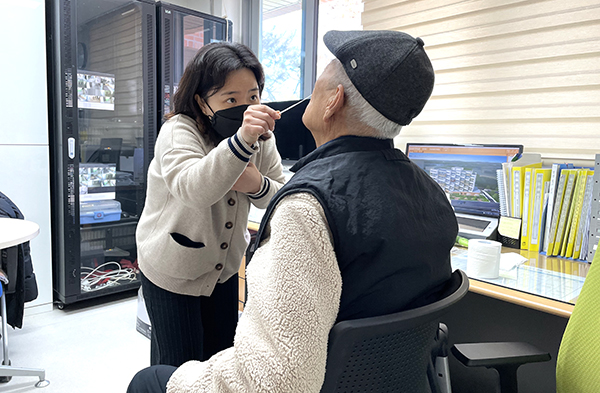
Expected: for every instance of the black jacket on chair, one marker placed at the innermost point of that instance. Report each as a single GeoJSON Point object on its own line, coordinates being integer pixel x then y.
{"type": "Point", "coordinates": [26, 288]}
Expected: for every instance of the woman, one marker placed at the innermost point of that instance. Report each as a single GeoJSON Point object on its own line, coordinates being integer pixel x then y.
{"type": "Point", "coordinates": [214, 156]}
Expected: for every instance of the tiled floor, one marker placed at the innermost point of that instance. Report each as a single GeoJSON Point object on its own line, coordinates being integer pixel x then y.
{"type": "Point", "coordinates": [88, 347]}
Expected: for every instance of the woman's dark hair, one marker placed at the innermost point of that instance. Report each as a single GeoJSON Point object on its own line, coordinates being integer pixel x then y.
{"type": "Point", "coordinates": [206, 73]}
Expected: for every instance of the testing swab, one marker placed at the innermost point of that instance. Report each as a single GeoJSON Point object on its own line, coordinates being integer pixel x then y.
{"type": "Point", "coordinates": [297, 103]}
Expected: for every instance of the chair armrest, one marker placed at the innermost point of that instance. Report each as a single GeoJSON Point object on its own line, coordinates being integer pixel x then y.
{"type": "Point", "coordinates": [498, 354]}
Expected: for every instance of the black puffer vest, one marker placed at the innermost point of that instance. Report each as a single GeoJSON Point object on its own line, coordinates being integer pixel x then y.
{"type": "Point", "coordinates": [392, 225]}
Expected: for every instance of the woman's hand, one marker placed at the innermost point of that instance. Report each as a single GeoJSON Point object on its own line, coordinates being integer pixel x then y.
{"type": "Point", "coordinates": [258, 120]}
{"type": "Point", "coordinates": [250, 180]}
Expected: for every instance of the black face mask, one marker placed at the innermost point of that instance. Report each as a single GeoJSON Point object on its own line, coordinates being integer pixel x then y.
{"type": "Point", "coordinates": [226, 122]}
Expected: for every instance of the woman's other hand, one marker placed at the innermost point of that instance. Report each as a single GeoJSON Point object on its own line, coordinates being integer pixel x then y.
{"type": "Point", "coordinates": [258, 120]}
{"type": "Point", "coordinates": [249, 181]}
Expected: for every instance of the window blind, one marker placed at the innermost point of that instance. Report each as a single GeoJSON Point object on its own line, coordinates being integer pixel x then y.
{"type": "Point", "coordinates": [511, 71]}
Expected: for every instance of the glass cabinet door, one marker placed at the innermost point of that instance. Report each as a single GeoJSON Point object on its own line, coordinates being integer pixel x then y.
{"type": "Point", "coordinates": [191, 33]}
{"type": "Point", "coordinates": [182, 32]}
{"type": "Point", "coordinates": [110, 124]}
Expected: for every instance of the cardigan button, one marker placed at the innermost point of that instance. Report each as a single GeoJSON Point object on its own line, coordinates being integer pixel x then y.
{"type": "Point", "coordinates": [224, 246]}
{"type": "Point", "coordinates": [229, 225]}
{"type": "Point", "coordinates": [231, 201]}
{"type": "Point", "coordinates": [219, 266]}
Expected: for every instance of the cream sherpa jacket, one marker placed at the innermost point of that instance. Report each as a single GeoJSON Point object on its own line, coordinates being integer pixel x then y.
{"type": "Point", "coordinates": [193, 231]}
{"type": "Point", "coordinates": [294, 289]}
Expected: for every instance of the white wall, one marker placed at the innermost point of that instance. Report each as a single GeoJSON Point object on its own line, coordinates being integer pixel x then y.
{"type": "Point", "coordinates": [24, 150]}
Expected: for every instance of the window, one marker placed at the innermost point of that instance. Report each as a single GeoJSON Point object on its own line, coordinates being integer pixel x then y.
{"type": "Point", "coordinates": [336, 15]}
{"type": "Point", "coordinates": [281, 49]}
{"type": "Point", "coordinates": [289, 44]}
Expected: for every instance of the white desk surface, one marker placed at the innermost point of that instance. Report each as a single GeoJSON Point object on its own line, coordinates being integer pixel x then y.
{"type": "Point", "coordinates": [547, 284]}
{"type": "Point", "coordinates": [14, 231]}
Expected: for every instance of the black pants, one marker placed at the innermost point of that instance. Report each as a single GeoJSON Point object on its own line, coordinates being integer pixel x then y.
{"type": "Point", "coordinates": [151, 380]}
{"type": "Point", "coordinates": [189, 327]}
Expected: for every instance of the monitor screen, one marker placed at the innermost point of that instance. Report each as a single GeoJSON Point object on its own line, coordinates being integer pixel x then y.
{"type": "Point", "coordinates": [466, 172]}
{"type": "Point", "coordinates": [95, 90]}
{"type": "Point", "coordinates": [97, 181]}
{"type": "Point", "coordinates": [293, 139]}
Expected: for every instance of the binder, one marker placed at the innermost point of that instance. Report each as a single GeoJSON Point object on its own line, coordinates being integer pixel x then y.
{"type": "Point", "coordinates": [591, 228]}
{"type": "Point", "coordinates": [555, 175]}
{"type": "Point", "coordinates": [506, 172]}
{"type": "Point", "coordinates": [540, 185]}
{"type": "Point", "coordinates": [544, 215]}
{"type": "Point", "coordinates": [564, 210]}
{"type": "Point", "coordinates": [554, 217]}
{"type": "Point", "coordinates": [574, 213]}
{"type": "Point", "coordinates": [527, 160]}
{"type": "Point", "coordinates": [525, 227]}
{"type": "Point", "coordinates": [585, 213]}
{"type": "Point", "coordinates": [502, 192]}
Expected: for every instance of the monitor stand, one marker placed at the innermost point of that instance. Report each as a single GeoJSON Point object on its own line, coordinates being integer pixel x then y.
{"type": "Point", "coordinates": [472, 226]}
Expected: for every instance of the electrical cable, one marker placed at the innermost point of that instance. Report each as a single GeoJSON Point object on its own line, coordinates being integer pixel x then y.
{"type": "Point", "coordinates": [94, 279]}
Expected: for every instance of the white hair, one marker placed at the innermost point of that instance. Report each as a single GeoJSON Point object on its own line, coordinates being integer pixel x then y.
{"type": "Point", "coordinates": [361, 117]}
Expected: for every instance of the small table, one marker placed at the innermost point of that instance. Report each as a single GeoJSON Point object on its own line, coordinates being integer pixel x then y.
{"type": "Point", "coordinates": [14, 231]}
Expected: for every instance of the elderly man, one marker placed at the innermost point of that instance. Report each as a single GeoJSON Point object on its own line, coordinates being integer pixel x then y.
{"type": "Point", "coordinates": [358, 231]}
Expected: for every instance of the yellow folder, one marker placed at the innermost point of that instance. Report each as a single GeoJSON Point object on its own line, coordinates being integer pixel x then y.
{"type": "Point", "coordinates": [539, 188]}
{"type": "Point", "coordinates": [585, 214]}
{"type": "Point", "coordinates": [518, 178]}
{"type": "Point", "coordinates": [525, 227]}
{"type": "Point", "coordinates": [555, 216]}
{"type": "Point", "coordinates": [577, 208]}
{"type": "Point", "coordinates": [571, 215]}
{"type": "Point", "coordinates": [564, 210]}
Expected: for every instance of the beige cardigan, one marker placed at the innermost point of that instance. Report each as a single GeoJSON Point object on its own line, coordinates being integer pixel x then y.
{"type": "Point", "coordinates": [294, 290]}
{"type": "Point", "coordinates": [193, 230]}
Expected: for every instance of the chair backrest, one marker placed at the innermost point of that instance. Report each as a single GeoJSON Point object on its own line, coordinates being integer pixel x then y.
{"type": "Point", "coordinates": [578, 363]}
{"type": "Point", "coordinates": [9, 264]}
{"type": "Point", "coordinates": [388, 353]}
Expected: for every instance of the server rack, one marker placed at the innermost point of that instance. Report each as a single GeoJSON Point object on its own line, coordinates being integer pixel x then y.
{"type": "Point", "coordinates": [181, 33]}
{"type": "Point", "coordinates": [102, 107]}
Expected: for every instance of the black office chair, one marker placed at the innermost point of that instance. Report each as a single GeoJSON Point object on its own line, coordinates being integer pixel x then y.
{"type": "Point", "coordinates": [401, 352]}
{"type": "Point", "coordinates": [8, 286]}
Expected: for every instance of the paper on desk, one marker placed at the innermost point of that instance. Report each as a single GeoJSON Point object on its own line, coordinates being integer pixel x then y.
{"type": "Point", "coordinates": [508, 262]}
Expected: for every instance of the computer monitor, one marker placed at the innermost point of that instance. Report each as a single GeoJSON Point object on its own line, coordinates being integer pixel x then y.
{"type": "Point", "coordinates": [97, 181]}
{"type": "Point", "coordinates": [293, 139]}
{"type": "Point", "coordinates": [95, 90]}
{"type": "Point", "coordinates": [466, 172]}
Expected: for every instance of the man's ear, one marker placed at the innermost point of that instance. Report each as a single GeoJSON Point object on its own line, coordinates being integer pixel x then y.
{"type": "Point", "coordinates": [203, 106]}
{"type": "Point", "coordinates": [334, 103]}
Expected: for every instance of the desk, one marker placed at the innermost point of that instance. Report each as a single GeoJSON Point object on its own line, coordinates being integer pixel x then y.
{"type": "Point", "coordinates": [14, 231]}
{"type": "Point", "coordinates": [546, 284]}
{"type": "Point", "coordinates": [533, 306]}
